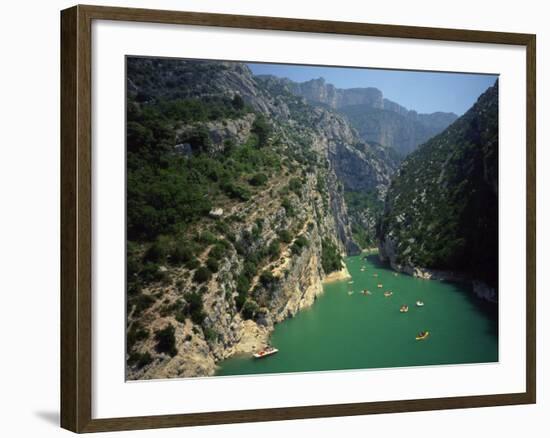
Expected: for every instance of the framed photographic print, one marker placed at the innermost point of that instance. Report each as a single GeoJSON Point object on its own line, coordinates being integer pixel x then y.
{"type": "Point", "coordinates": [268, 218]}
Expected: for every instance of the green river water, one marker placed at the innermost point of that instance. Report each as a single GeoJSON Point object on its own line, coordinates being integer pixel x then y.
{"type": "Point", "coordinates": [342, 331]}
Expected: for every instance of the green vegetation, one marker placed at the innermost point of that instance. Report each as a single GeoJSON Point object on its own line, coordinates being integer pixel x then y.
{"type": "Point", "coordinates": [267, 278]}
{"type": "Point", "coordinates": [274, 249]}
{"type": "Point", "coordinates": [286, 203]}
{"type": "Point", "coordinates": [250, 308]}
{"type": "Point", "coordinates": [167, 191]}
{"type": "Point", "coordinates": [158, 251]}
{"type": "Point", "coordinates": [210, 334]}
{"type": "Point", "coordinates": [139, 360]}
{"type": "Point", "coordinates": [285, 236]}
{"type": "Point", "coordinates": [243, 284]}
{"type": "Point", "coordinates": [135, 334]}
{"type": "Point", "coordinates": [299, 244]}
{"type": "Point", "coordinates": [206, 108]}
{"type": "Point", "coordinates": [295, 185]}
{"type": "Point", "coordinates": [202, 275]}
{"type": "Point", "coordinates": [258, 179]}
{"type": "Point", "coordinates": [217, 251]}
{"type": "Point", "coordinates": [364, 205]}
{"type": "Point", "coordinates": [182, 252]}
{"type": "Point", "coordinates": [442, 209]}
{"type": "Point", "coordinates": [166, 340]}
{"type": "Point", "coordinates": [181, 172]}
{"type": "Point", "coordinates": [195, 307]}
{"type": "Point", "coordinates": [262, 128]}
{"type": "Point", "coordinates": [140, 302]}
{"type": "Point", "coordinates": [212, 264]}
{"type": "Point", "coordinates": [192, 263]}
{"type": "Point", "coordinates": [331, 259]}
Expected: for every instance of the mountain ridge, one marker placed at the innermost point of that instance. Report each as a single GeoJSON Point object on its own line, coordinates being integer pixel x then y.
{"type": "Point", "coordinates": [441, 210]}
{"type": "Point", "coordinates": [376, 118]}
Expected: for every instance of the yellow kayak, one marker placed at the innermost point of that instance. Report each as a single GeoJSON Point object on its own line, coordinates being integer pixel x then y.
{"type": "Point", "coordinates": [421, 336]}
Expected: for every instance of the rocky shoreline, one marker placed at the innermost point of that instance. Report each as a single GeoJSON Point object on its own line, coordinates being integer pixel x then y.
{"type": "Point", "coordinates": [255, 336]}
{"type": "Point", "coordinates": [387, 254]}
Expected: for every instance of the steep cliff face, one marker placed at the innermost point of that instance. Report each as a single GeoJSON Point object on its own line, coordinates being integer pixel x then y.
{"type": "Point", "coordinates": [236, 210]}
{"type": "Point", "coordinates": [318, 91]}
{"type": "Point", "coordinates": [358, 170]}
{"type": "Point", "coordinates": [375, 118]}
{"type": "Point", "coordinates": [441, 211]}
{"type": "Point", "coordinates": [401, 130]}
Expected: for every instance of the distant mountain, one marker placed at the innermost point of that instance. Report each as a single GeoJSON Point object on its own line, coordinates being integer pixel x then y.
{"type": "Point", "coordinates": [441, 209]}
{"type": "Point", "coordinates": [375, 118]}
{"type": "Point", "coordinates": [403, 131]}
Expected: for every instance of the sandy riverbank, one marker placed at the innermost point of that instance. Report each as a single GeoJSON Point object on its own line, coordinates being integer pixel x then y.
{"type": "Point", "coordinates": [342, 274]}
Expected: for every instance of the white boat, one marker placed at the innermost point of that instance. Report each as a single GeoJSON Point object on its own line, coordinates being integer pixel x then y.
{"type": "Point", "coordinates": [419, 303]}
{"type": "Point", "coordinates": [266, 352]}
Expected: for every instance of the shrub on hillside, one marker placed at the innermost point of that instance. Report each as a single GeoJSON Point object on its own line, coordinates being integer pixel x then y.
{"type": "Point", "coordinates": [331, 260]}
{"type": "Point", "coordinates": [166, 340]}
{"type": "Point", "coordinates": [202, 275]}
{"type": "Point", "coordinates": [258, 179]}
{"type": "Point", "coordinates": [285, 236]}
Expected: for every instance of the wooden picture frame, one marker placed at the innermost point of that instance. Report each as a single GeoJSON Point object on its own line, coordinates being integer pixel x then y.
{"type": "Point", "coordinates": [76, 217]}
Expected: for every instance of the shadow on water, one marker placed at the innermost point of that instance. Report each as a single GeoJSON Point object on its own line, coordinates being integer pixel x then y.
{"type": "Point", "coordinates": [375, 260]}
{"type": "Point", "coordinates": [488, 309]}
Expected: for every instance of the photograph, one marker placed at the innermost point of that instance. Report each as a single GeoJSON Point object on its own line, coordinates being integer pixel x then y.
{"type": "Point", "coordinates": [286, 218]}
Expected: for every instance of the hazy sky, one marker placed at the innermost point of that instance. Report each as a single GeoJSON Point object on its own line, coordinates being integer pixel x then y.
{"type": "Point", "coordinates": [425, 92]}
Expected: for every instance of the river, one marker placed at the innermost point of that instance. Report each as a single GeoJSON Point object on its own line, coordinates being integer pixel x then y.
{"type": "Point", "coordinates": [353, 331]}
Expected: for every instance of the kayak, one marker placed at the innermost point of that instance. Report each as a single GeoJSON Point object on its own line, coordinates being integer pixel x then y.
{"type": "Point", "coordinates": [422, 336]}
